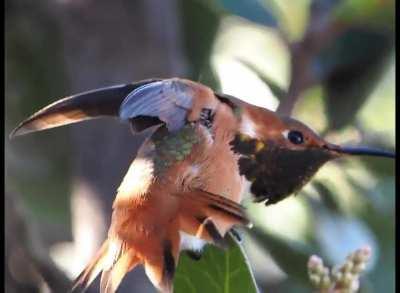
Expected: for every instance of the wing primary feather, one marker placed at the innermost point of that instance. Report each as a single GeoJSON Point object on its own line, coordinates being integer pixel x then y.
{"type": "Point", "coordinates": [216, 203]}
{"type": "Point", "coordinates": [224, 205]}
{"type": "Point", "coordinates": [87, 105]}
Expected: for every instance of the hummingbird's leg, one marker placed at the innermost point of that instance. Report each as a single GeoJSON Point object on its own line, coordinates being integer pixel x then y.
{"type": "Point", "coordinates": [209, 227]}
{"type": "Point", "coordinates": [195, 255]}
{"type": "Point", "coordinates": [236, 234]}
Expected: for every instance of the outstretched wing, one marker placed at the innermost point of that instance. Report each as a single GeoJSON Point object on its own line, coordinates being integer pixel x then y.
{"type": "Point", "coordinates": [147, 103]}
{"type": "Point", "coordinates": [173, 101]}
{"type": "Point", "coordinates": [88, 105]}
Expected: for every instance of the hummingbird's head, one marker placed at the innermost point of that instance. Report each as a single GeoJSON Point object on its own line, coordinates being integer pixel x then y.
{"type": "Point", "coordinates": [280, 154]}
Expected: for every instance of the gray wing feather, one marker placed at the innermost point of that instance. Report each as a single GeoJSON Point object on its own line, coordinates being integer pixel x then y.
{"type": "Point", "coordinates": [169, 100]}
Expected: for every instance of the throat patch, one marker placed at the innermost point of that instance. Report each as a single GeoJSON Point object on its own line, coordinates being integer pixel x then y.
{"type": "Point", "coordinates": [276, 172]}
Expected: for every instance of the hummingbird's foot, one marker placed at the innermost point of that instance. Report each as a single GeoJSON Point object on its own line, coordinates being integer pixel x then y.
{"type": "Point", "coordinates": [195, 255]}
{"type": "Point", "coordinates": [236, 234]}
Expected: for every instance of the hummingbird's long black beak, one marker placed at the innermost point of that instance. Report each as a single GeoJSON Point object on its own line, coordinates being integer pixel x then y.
{"type": "Point", "coordinates": [360, 151]}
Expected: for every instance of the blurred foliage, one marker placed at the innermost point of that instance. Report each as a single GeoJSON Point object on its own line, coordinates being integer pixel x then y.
{"type": "Point", "coordinates": [289, 255]}
{"type": "Point", "coordinates": [350, 98]}
{"type": "Point", "coordinates": [199, 25]}
{"type": "Point", "coordinates": [370, 13]}
{"type": "Point", "coordinates": [35, 76]}
{"type": "Point", "coordinates": [351, 68]}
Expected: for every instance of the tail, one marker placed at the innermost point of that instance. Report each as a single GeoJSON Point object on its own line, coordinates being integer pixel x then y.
{"type": "Point", "coordinates": [88, 105]}
{"type": "Point", "coordinates": [114, 261]}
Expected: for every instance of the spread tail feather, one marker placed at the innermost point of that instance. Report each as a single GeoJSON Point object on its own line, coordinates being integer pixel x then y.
{"type": "Point", "coordinates": [111, 278]}
{"type": "Point", "coordinates": [87, 276]}
{"type": "Point", "coordinates": [114, 261]}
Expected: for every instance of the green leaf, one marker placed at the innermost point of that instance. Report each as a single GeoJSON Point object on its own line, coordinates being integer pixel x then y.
{"type": "Point", "coordinates": [217, 271]}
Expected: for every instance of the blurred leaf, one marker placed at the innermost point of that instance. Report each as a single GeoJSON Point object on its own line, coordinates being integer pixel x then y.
{"type": "Point", "coordinates": [217, 271]}
{"type": "Point", "coordinates": [327, 196]}
{"type": "Point", "coordinates": [375, 226]}
{"type": "Point", "coordinates": [367, 12]}
{"type": "Point", "coordinates": [200, 23]}
{"type": "Point", "coordinates": [350, 68]}
{"type": "Point", "coordinates": [253, 10]}
{"type": "Point", "coordinates": [312, 101]}
{"type": "Point", "coordinates": [379, 166]}
{"type": "Point", "coordinates": [292, 17]}
{"type": "Point", "coordinates": [291, 256]}
{"type": "Point", "coordinates": [357, 46]}
{"type": "Point", "coordinates": [276, 90]}
{"type": "Point", "coordinates": [33, 42]}
{"type": "Point", "coordinates": [380, 199]}
{"type": "Point", "coordinates": [35, 74]}
{"type": "Point", "coordinates": [209, 77]}
{"type": "Point", "coordinates": [381, 220]}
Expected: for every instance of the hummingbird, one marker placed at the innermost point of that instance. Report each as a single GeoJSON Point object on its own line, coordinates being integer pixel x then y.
{"type": "Point", "coordinates": [185, 187]}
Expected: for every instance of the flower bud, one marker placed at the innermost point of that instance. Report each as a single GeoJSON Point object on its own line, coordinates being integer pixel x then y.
{"type": "Point", "coordinates": [325, 282]}
{"type": "Point", "coordinates": [315, 280]}
{"type": "Point", "coordinates": [314, 262]}
{"type": "Point", "coordinates": [347, 279]}
{"type": "Point", "coordinates": [358, 268]}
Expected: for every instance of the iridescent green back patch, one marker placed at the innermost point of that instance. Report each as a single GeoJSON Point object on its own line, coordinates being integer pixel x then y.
{"type": "Point", "coordinates": [174, 147]}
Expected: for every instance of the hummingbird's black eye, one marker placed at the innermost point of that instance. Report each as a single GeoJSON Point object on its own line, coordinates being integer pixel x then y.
{"type": "Point", "coordinates": [295, 137]}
